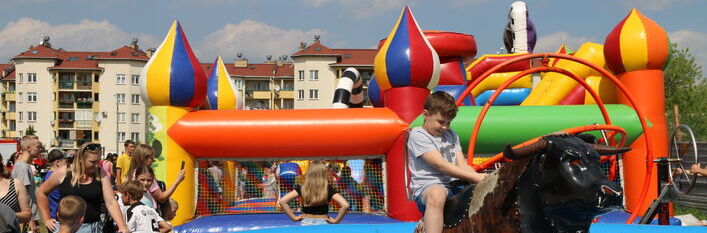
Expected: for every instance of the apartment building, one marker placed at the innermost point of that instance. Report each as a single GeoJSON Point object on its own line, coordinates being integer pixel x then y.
{"type": "Point", "coordinates": [70, 97]}
{"type": "Point", "coordinates": [8, 115]}
{"type": "Point", "coordinates": [267, 85]}
{"type": "Point", "coordinates": [317, 69]}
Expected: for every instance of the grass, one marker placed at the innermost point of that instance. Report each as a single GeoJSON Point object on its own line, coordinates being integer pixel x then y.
{"type": "Point", "coordinates": [700, 214]}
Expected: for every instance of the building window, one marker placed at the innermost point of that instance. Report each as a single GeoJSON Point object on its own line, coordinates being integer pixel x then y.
{"type": "Point", "coordinates": [13, 126]}
{"type": "Point", "coordinates": [313, 75]}
{"type": "Point", "coordinates": [300, 94]}
{"type": "Point", "coordinates": [19, 96]}
{"type": "Point", "coordinates": [31, 97]}
{"type": "Point", "coordinates": [31, 116]}
{"type": "Point", "coordinates": [20, 117]}
{"type": "Point", "coordinates": [121, 136]}
{"type": "Point", "coordinates": [135, 118]}
{"type": "Point", "coordinates": [95, 135]}
{"type": "Point", "coordinates": [121, 117]}
{"type": "Point", "coordinates": [301, 75]}
{"type": "Point", "coordinates": [120, 78]}
{"type": "Point", "coordinates": [20, 77]}
{"type": "Point", "coordinates": [31, 77]}
{"type": "Point", "coordinates": [120, 98]}
{"type": "Point", "coordinates": [135, 137]}
{"type": "Point", "coordinates": [313, 94]}
{"type": "Point", "coordinates": [135, 79]}
{"type": "Point", "coordinates": [135, 99]}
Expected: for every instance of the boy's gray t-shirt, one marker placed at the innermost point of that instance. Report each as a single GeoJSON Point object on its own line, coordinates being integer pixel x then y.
{"type": "Point", "coordinates": [23, 172]}
{"type": "Point", "coordinates": [420, 142]}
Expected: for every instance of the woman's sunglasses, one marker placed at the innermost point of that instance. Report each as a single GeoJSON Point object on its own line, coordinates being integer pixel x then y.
{"type": "Point", "coordinates": [93, 146]}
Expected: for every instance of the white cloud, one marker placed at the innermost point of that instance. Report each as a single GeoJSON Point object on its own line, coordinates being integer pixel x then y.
{"type": "Point", "coordinates": [87, 35]}
{"type": "Point", "coordinates": [653, 5]}
{"type": "Point", "coordinates": [255, 39]}
{"type": "Point", "coordinates": [552, 42]}
{"type": "Point", "coordinates": [693, 40]}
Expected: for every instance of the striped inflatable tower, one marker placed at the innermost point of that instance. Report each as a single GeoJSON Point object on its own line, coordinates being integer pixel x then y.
{"type": "Point", "coordinates": [173, 75]}
{"type": "Point", "coordinates": [174, 84]}
{"type": "Point", "coordinates": [349, 91]}
{"type": "Point", "coordinates": [221, 93]}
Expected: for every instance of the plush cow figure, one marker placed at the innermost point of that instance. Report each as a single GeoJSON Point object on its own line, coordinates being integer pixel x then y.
{"type": "Point", "coordinates": [553, 185]}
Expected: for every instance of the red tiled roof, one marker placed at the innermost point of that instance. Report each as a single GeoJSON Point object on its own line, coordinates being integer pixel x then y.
{"type": "Point", "coordinates": [10, 69]}
{"type": "Point", "coordinates": [81, 60]}
{"type": "Point", "coordinates": [255, 70]}
{"type": "Point", "coordinates": [345, 57]}
{"type": "Point", "coordinates": [357, 56]}
{"type": "Point", "coordinates": [315, 49]}
{"type": "Point", "coordinates": [125, 52]}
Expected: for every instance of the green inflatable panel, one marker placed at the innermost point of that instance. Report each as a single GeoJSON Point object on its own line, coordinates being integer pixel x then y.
{"type": "Point", "coordinates": [516, 124]}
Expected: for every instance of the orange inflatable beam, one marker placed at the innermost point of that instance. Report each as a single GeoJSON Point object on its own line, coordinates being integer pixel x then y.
{"type": "Point", "coordinates": [287, 133]}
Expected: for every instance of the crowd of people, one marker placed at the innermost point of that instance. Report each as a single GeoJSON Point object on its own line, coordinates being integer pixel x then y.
{"type": "Point", "coordinates": [79, 191]}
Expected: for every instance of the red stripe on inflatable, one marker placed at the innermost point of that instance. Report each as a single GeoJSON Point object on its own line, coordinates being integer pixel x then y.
{"type": "Point", "coordinates": [612, 49]}
{"type": "Point", "coordinates": [421, 66]}
{"type": "Point", "coordinates": [199, 76]}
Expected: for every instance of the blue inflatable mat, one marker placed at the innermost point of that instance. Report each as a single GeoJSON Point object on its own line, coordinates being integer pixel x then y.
{"type": "Point", "coordinates": [348, 228]}
{"type": "Point", "coordinates": [620, 217]}
{"type": "Point", "coordinates": [600, 228]}
{"type": "Point", "coordinates": [246, 222]}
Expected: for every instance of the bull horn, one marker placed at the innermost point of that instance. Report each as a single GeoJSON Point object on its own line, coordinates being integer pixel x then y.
{"type": "Point", "coordinates": [522, 152]}
{"type": "Point", "coordinates": [608, 150]}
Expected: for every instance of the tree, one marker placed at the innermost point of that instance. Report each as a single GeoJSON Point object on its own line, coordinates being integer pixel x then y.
{"type": "Point", "coordinates": [30, 130]}
{"type": "Point", "coordinates": [685, 86]}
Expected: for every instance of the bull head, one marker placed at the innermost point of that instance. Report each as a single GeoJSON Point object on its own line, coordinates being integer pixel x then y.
{"type": "Point", "coordinates": [564, 184]}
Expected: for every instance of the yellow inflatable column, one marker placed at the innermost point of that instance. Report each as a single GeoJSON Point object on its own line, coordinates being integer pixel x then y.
{"type": "Point", "coordinates": [170, 157]}
{"type": "Point", "coordinates": [602, 86]}
{"type": "Point", "coordinates": [554, 86]}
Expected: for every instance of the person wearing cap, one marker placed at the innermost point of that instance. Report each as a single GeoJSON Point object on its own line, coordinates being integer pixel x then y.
{"type": "Point", "coordinates": [57, 161]}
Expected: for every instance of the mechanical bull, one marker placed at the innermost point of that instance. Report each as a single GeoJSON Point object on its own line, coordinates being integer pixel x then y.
{"type": "Point", "coordinates": [552, 185]}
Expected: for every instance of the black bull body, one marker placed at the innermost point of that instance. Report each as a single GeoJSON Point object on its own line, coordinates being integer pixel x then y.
{"type": "Point", "coordinates": [554, 185]}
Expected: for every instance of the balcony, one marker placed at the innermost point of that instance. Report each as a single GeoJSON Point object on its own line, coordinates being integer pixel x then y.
{"type": "Point", "coordinates": [10, 116]}
{"type": "Point", "coordinates": [83, 124]}
{"type": "Point", "coordinates": [67, 124]}
{"type": "Point", "coordinates": [84, 85]}
{"type": "Point", "coordinates": [64, 85]}
{"type": "Point", "coordinates": [258, 94]}
{"type": "Point", "coordinates": [67, 143]}
{"type": "Point", "coordinates": [84, 105]}
{"type": "Point", "coordinates": [285, 95]}
{"type": "Point", "coordinates": [66, 105]}
{"type": "Point", "coordinates": [10, 96]}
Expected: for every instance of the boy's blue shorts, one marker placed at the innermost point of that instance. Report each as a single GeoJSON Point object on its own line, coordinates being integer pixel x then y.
{"type": "Point", "coordinates": [420, 200]}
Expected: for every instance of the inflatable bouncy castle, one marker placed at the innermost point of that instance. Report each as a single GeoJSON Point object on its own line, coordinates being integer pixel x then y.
{"type": "Point", "coordinates": [504, 99]}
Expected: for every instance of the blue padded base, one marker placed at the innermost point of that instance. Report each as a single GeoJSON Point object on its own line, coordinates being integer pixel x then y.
{"type": "Point", "coordinates": [245, 222]}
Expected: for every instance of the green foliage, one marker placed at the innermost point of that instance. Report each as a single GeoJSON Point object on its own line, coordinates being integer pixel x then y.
{"type": "Point", "coordinates": [30, 130]}
{"type": "Point", "coordinates": [150, 137]}
{"type": "Point", "coordinates": [681, 210]}
{"type": "Point", "coordinates": [685, 86]}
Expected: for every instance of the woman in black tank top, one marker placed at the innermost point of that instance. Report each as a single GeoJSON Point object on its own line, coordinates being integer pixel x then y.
{"type": "Point", "coordinates": [85, 180]}
{"type": "Point", "coordinates": [15, 196]}
{"type": "Point", "coordinates": [316, 194]}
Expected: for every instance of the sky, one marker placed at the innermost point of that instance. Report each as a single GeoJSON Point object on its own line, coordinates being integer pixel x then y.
{"type": "Point", "coordinates": [267, 27]}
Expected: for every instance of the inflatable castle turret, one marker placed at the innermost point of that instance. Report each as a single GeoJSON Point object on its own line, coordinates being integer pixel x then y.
{"type": "Point", "coordinates": [636, 51]}
{"type": "Point", "coordinates": [174, 84]}
{"type": "Point", "coordinates": [406, 69]}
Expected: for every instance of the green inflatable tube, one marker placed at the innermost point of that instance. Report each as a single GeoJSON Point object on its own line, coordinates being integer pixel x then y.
{"type": "Point", "coordinates": [516, 124]}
